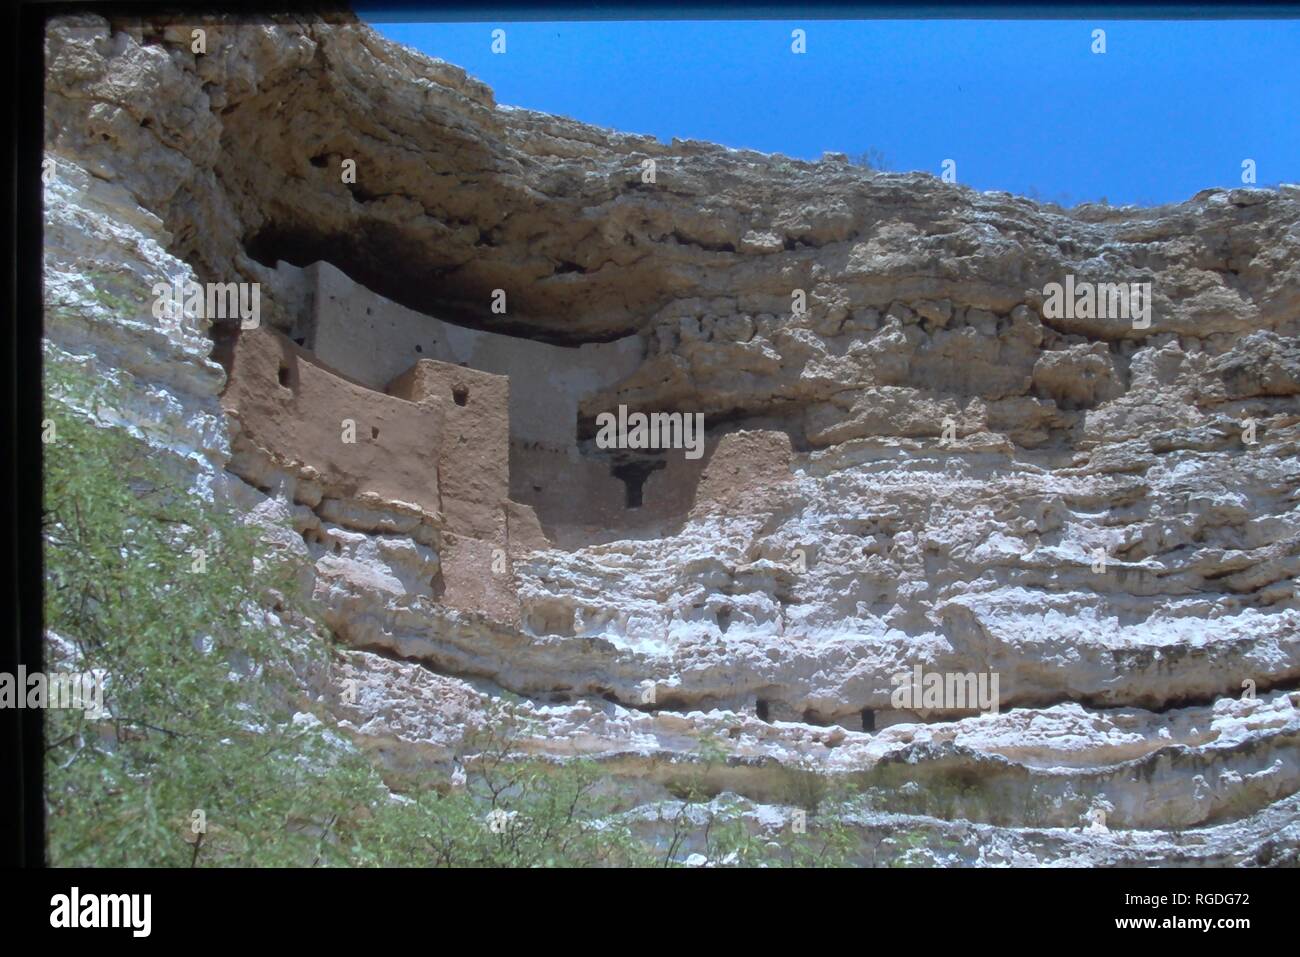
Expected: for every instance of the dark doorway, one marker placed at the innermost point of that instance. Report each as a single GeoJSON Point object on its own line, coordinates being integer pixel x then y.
{"type": "Point", "coordinates": [633, 476]}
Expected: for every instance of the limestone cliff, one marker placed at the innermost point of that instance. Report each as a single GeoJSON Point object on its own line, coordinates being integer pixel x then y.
{"type": "Point", "coordinates": [921, 464]}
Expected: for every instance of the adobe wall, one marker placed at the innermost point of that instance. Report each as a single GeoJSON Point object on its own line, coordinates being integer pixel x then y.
{"type": "Point", "coordinates": [374, 340]}
{"type": "Point", "coordinates": [292, 407]}
{"type": "Point", "coordinates": [519, 424]}
{"type": "Point", "coordinates": [416, 447]}
{"type": "Point", "coordinates": [473, 461]}
{"type": "Point", "coordinates": [746, 471]}
{"type": "Point", "coordinates": [580, 502]}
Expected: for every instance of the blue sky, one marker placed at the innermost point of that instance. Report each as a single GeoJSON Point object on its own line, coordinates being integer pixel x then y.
{"type": "Point", "coordinates": [1170, 108]}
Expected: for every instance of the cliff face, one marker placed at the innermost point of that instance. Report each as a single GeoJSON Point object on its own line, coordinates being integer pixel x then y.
{"type": "Point", "coordinates": [913, 459]}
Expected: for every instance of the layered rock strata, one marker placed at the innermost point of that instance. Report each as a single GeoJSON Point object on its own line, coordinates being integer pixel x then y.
{"type": "Point", "coordinates": [922, 467]}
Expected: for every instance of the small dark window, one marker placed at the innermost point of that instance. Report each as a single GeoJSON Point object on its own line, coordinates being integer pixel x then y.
{"type": "Point", "coordinates": [374, 432]}
{"type": "Point", "coordinates": [419, 348]}
{"type": "Point", "coordinates": [812, 717]}
{"type": "Point", "coordinates": [761, 709]}
{"type": "Point", "coordinates": [284, 375]}
{"type": "Point", "coordinates": [460, 394]}
{"type": "Point", "coordinates": [633, 476]}
{"type": "Point", "coordinates": [868, 720]}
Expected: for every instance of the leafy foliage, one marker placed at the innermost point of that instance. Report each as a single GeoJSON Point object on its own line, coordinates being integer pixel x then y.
{"type": "Point", "coordinates": [166, 594]}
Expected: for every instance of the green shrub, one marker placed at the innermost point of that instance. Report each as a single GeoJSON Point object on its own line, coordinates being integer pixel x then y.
{"type": "Point", "coordinates": [171, 597]}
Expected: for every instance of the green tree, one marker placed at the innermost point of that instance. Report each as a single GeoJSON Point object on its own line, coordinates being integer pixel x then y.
{"type": "Point", "coordinates": [174, 599]}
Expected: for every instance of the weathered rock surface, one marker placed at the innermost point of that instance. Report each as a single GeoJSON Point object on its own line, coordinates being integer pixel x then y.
{"type": "Point", "coordinates": [920, 469]}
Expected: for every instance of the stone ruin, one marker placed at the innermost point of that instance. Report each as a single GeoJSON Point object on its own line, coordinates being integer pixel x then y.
{"type": "Point", "coordinates": [471, 435]}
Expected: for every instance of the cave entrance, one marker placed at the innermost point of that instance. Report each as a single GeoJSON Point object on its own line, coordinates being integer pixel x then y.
{"type": "Point", "coordinates": [580, 492]}
{"type": "Point", "coordinates": [387, 261]}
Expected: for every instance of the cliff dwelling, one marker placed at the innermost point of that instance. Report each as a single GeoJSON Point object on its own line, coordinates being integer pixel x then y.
{"type": "Point", "coordinates": [521, 438]}
{"type": "Point", "coordinates": [478, 435]}
{"type": "Point", "coordinates": [924, 473]}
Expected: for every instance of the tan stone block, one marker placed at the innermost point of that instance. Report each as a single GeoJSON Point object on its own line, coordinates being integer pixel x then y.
{"type": "Point", "coordinates": [474, 461]}
{"type": "Point", "coordinates": [476, 577]}
{"type": "Point", "coordinates": [744, 468]}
